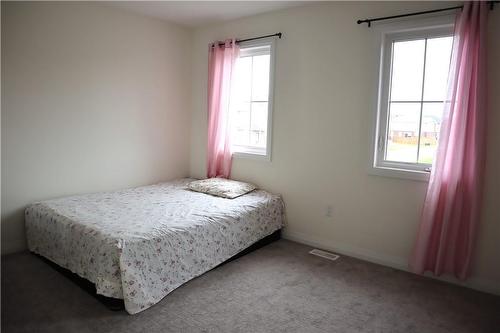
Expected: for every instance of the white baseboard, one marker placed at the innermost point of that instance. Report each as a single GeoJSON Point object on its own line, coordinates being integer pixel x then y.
{"type": "Point", "coordinates": [399, 263]}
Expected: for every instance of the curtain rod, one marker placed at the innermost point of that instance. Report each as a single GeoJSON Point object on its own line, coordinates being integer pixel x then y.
{"type": "Point", "coordinates": [369, 21]}
{"type": "Point", "coordinates": [278, 34]}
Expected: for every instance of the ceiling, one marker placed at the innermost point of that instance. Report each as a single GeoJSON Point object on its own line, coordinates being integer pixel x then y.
{"type": "Point", "coordinates": [198, 13]}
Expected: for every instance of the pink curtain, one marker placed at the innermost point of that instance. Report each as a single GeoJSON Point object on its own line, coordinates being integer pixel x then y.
{"type": "Point", "coordinates": [221, 62]}
{"type": "Point", "coordinates": [450, 217]}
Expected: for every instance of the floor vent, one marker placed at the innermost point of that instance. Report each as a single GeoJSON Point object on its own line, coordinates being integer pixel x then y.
{"type": "Point", "coordinates": [324, 254]}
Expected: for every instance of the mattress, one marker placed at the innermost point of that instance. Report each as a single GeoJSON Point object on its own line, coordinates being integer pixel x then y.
{"type": "Point", "coordinates": [140, 244]}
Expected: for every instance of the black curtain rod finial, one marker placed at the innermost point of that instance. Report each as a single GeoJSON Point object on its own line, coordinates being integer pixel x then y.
{"type": "Point", "coordinates": [368, 22]}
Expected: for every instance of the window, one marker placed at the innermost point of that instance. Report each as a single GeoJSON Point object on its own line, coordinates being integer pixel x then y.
{"type": "Point", "coordinates": [413, 81]}
{"type": "Point", "coordinates": [251, 100]}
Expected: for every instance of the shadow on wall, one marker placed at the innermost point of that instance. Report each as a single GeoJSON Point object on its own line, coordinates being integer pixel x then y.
{"type": "Point", "coordinates": [13, 228]}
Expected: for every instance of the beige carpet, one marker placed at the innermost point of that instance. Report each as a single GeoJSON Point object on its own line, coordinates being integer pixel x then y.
{"type": "Point", "coordinates": [279, 288]}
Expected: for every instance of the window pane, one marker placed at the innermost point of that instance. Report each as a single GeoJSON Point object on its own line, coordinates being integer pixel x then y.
{"type": "Point", "coordinates": [240, 124]}
{"type": "Point", "coordinates": [258, 139]}
{"type": "Point", "coordinates": [436, 68]}
{"type": "Point", "coordinates": [407, 70]}
{"type": "Point", "coordinates": [402, 137]}
{"type": "Point", "coordinates": [249, 99]}
{"type": "Point", "coordinates": [258, 126]}
{"type": "Point", "coordinates": [260, 78]}
{"type": "Point", "coordinates": [241, 86]}
{"type": "Point", "coordinates": [431, 125]}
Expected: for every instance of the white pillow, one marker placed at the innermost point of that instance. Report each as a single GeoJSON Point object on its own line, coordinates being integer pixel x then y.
{"type": "Point", "coordinates": [221, 187]}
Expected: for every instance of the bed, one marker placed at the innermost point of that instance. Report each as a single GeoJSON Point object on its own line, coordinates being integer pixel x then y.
{"type": "Point", "coordinates": [140, 244]}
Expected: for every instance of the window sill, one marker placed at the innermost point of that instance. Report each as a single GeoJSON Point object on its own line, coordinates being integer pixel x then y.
{"type": "Point", "coordinates": [399, 173]}
{"type": "Point", "coordinates": [252, 156]}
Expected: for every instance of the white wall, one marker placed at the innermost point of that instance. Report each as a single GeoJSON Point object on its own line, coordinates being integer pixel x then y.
{"type": "Point", "coordinates": [93, 98]}
{"type": "Point", "coordinates": [323, 110]}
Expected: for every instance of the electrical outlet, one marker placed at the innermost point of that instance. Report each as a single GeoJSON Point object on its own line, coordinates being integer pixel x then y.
{"type": "Point", "coordinates": [329, 211]}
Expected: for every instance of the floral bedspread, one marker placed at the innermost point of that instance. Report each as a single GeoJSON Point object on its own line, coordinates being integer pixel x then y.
{"type": "Point", "coordinates": [140, 244]}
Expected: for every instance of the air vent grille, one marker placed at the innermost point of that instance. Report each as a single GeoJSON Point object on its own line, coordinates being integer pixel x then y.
{"type": "Point", "coordinates": [324, 254]}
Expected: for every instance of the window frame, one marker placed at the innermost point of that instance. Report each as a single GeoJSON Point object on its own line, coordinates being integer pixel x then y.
{"type": "Point", "coordinates": [250, 151]}
{"type": "Point", "coordinates": [417, 29]}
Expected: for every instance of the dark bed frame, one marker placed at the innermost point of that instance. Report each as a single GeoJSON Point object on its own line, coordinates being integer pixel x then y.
{"type": "Point", "coordinates": [116, 304]}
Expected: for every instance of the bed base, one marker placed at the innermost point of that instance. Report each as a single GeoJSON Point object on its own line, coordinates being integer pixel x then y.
{"type": "Point", "coordinates": [116, 304]}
